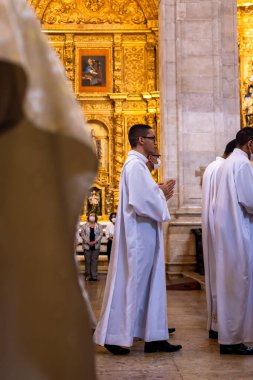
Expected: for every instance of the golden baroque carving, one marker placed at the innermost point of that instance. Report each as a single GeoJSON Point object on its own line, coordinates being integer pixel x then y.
{"type": "Point", "coordinates": [102, 178]}
{"type": "Point", "coordinates": [69, 57]}
{"type": "Point", "coordinates": [135, 119]}
{"type": "Point", "coordinates": [118, 147]}
{"type": "Point", "coordinates": [134, 69]}
{"type": "Point", "coordinates": [245, 24]}
{"type": "Point", "coordinates": [134, 38]}
{"type": "Point", "coordinates": [148, 9]}
{"type": "Point", "coordinates": [135, 106]}
{"type": "Point", "coordinates": [60, 53]}
{"type": "Point", "coordinates": [94, 5]}
{"type": "Point", "coordinates": [151, 119]}
{"type": "Point", "coordinates": [245, 45]}
{"type": "Point", "coordinates": [109, 201]}
{"type": "Point", "coordinates": [58, 42]}
{"type": "Point", "coordinates": [245, 13]}
{"type": "Point", "coordinates": [93, 12]}
{"type": "Point", "coordinates": [97, 106]}
{"type": "Point", "coordinates": [151, 45]}
{"type": "Point", "coordinates": [56, 38]}
{"type": "Point", "coordinates": [101, 38]}
{"type": "Point", "coordinates": [117, 77]}
{"type": "Point", "coordinates": [106, 120]}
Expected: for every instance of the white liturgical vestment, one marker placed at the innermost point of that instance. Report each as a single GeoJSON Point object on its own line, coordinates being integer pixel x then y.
{"type": "Point", "coordinates": [135, 295]}
{"type": "Point", "coordinates": [46, 166]}
{"type": "Point", "coordinates": [209, 189]}
{"type": "Point", "coordinates": [234, 249]}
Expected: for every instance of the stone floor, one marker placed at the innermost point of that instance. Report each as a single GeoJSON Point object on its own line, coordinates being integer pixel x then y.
{"type": "Point", "coordinates": [198, 360]}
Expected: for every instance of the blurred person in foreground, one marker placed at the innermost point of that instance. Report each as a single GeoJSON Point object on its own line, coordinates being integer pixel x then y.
{"type": "Point", "coordinates": [134, 304]}
{"type": "Point", "coordinates": [46, 167]}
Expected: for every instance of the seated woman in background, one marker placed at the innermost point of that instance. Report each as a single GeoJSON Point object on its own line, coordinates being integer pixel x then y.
{"type": "Point", "coordinates": [109, 232]}
{"type": "Point", "coordinates": [91, 233]}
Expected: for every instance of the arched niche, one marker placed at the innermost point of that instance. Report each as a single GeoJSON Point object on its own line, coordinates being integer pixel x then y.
{"type": "Point", "coordinates": [100, 137]}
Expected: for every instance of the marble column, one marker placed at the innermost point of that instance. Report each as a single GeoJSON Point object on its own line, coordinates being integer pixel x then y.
{"type": "Point", "coordinates": [200, 112]}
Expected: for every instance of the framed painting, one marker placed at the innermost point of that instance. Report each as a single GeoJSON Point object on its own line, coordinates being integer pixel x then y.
{"type": "Point", "coordinates": [94, 70]}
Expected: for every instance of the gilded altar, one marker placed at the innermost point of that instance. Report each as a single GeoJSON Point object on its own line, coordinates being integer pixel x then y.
{"type": "Point", "coordinates": [110, 52]}
{"type": "Point", "coordinates": [245, 43]}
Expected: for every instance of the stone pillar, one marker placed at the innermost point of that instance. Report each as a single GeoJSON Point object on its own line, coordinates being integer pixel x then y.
{"type": "Point", "coordinates": [200, 112]}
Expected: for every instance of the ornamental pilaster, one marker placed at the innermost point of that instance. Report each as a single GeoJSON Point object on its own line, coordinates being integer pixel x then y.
{"type": "Point", "coordinates": [151, 62]}
{"type": "Point", "coordinates": [69, 57]}
{"type": "Point", "coordinates": [117, 52]}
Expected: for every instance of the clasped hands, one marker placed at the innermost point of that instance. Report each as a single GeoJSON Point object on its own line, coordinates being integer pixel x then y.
{"type": "Point", "coordinates": [167, 188]}
{"type": "Point", "coordinates": [91, 243]}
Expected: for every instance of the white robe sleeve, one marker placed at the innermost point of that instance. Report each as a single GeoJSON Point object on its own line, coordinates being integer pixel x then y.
{"type": "Point", "coordinates": [244, 187]}
{"type": "Point", "coordinates": [145, 195]}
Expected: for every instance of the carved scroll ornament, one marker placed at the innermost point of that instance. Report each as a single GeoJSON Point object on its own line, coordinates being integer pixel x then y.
{"type": "Point", "coordinates": [93, 12]}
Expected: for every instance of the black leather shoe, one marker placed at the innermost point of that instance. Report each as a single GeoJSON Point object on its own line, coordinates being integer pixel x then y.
{"type": "Point", "coordinates": [213, 334]}
{"type": "Point", "coordinates": [236, 349]}
{"type": "Point", "coordinates": [117, 350]}
{"type": "Point", "coordinates": [171, 330]}
{"type": "Point", "coordinates": [161, 346]}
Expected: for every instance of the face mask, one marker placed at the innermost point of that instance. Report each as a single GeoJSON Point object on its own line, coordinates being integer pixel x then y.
{"type": "Point", "coordinates": [113, 220]}
{"type": "Point", "coordinates": [157, 166]}
{"type": "Point", "coordinates": [92, 218]}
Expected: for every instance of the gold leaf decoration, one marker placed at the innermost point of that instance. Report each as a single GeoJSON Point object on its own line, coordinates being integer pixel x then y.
{"type": "Point", "coordinates": [93, 12]}
{"type": "Point", "coordinates": [134, 69]}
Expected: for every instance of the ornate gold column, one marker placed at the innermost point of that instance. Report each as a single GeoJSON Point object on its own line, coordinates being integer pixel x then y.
{"type": "Point", "coordinates": [151, 55]}
{"type": "Point", "coordinates": [69, 57]}
{"type": "Point", "coordinates": [118, 146]}
{"type": "Point", "coordinates": [117, 50]}
{"type": "Point", "coordinates": [118, 141]}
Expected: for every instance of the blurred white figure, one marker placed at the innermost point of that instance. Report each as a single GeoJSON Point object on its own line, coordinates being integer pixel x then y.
{"type": "Point", "coordinates": [209, 193]}
{"type": "Point", "coordinates": [46, 166]}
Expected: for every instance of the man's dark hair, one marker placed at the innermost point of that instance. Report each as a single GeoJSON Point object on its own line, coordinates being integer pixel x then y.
{"type": "Point", "coordinates": [137, 131]}
{"type": "Point", "coordinates": [243, 136]}
{"type": "Point", "coordinates": [230, 147]}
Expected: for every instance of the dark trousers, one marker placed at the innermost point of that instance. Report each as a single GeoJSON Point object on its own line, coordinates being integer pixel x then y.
{"type": "Point", "coordinates": [91, 263]}
{"type": "Point", "coordinates": [109, 248]}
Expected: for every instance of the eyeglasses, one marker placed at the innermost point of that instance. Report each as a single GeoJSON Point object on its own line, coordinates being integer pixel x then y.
{"type": "Point", "coordinates": [149, 137]}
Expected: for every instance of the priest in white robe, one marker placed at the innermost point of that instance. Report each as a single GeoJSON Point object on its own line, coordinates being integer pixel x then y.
{"type": "Point", "coordinates": [46, 165]}
{"type": "Point", "coordinates": [209, 190]}
{"type": "Point", "coordinates": [233, 222]}
{"type": "Point", "coordinates": [134, 304]}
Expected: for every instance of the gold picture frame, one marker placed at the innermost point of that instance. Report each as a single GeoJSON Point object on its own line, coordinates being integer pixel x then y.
{"type": "Point", "coordinates": [93, 71]}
